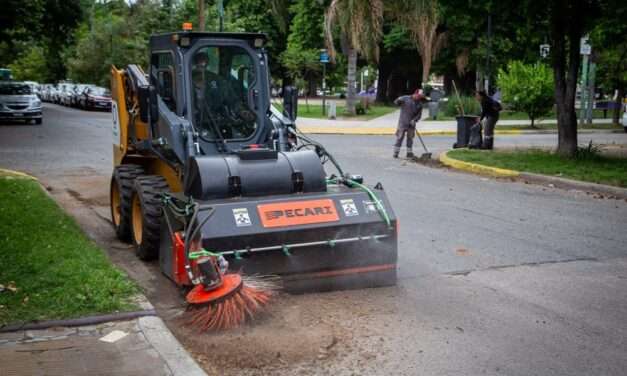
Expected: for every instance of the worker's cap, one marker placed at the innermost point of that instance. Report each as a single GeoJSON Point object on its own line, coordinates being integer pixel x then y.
{"type": "Point", "coordinates": [420, 93]}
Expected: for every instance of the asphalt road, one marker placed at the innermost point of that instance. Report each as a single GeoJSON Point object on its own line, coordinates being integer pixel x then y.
{"type": "Point", "coordinates": [496, 277]}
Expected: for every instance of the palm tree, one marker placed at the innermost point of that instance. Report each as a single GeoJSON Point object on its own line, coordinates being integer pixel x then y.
{"type": "Point", "coordinates": [422, 18]}
{"type": "Point", "coordinates": [360, 25]}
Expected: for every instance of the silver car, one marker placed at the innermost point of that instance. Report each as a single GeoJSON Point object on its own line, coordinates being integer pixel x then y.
{"type": "Point", "coordinates": [18, 103]}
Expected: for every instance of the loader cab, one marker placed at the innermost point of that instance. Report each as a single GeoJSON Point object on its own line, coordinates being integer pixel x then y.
{"type": "Point", "coordinates": [217, 82]}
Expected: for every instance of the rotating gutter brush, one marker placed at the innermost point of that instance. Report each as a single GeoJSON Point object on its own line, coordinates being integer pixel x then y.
{"type": "Point", "coordinates": [222, 301]}
{"type": "Point", "coordinates": [219, 300]}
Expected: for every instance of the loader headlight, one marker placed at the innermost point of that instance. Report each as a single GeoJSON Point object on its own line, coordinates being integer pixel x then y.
{"type": "Point", "coordinates": [258, 42]}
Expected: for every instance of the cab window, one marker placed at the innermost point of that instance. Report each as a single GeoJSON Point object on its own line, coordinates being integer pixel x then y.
{"type": "Point", "coordinates": [163, 74]}
{"type": "Point", "coordinates": [223, 80]}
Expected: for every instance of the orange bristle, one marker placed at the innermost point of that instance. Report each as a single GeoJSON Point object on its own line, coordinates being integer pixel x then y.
{"type": "Point", "coordinates": [233, 310]}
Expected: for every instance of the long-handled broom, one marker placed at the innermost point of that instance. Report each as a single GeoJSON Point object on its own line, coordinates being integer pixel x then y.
{"type": "Point", "coordinates": [219, 300]}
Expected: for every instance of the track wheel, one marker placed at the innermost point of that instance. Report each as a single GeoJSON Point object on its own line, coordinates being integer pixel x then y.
{"type": "Point", "coordinates": [146, 214]}
{"type": "Point", "coordinates": [120, 195]}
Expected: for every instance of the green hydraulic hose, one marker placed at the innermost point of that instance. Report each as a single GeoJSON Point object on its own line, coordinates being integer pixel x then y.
{"type": "Point", "coordinates": [371, 194]}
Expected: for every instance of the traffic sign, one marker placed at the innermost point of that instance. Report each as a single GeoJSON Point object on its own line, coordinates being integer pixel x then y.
{"type": "Point", "coordinates": [324, 57]}
{"type": "Point", "coordinates": [585, 48]}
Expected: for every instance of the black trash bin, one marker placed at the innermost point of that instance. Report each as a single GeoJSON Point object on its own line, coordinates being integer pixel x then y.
{"type": "Point", "coordinates": [463, 130]}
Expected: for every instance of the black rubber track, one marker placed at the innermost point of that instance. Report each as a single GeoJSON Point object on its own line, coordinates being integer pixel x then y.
{"type": "Point", "coordinates": [149, 189]}
{"type": "Point", "coordinates": [124, 176]}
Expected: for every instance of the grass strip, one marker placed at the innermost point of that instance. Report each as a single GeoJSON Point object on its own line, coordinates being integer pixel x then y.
{"type": "Point", "coordinates": [315, 111]}
{"type": "Point", "coordinates": [49, 268]}
{"type": "Point", "coordinates": [591, 168]}
{"type": "Point", "coordinates": [515, 115]}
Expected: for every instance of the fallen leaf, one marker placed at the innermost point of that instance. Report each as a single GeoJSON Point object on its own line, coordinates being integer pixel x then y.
{"type": "Point", "coordinates": [462, 252]}
{"type": "Point", "coordinates": [11, 287]}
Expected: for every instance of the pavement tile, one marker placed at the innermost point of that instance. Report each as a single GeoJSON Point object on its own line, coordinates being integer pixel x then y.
{"type": "Point", "coordinates": [81, 354]}
{"type": "Point", "coordinates": [12, 336]}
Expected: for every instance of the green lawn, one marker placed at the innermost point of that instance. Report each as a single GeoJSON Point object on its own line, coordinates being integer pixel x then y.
{"type": "Point", "coordinates": [592, 168]}
{"type": "Point", "coordinates": [554, 126]}
{"type": "Point", "coordinates": [315, 111]}
{"type": "Point", "coordinates": [513, 115]}
{"type": "Point", "coordinates": [50, 269]}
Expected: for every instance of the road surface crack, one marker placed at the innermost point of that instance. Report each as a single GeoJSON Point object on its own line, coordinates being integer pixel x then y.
{"type": "Point", "coordinates": [510, 266]}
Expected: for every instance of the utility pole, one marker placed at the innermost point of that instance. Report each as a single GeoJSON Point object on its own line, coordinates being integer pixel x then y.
{"type": "Point", "coordinates": [201, 15]}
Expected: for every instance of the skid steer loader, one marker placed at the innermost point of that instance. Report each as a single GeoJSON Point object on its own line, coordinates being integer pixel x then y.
{"type": "Point", "coordinates": [204, 164]}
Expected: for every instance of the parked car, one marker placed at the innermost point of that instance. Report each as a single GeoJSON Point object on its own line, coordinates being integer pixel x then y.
{"type": "Point", "coordinates": [46, 92]}
{"type": "Point", "coordinates": [34, 87]}
{"type": "Point", "coordinates": [53, 94]}
{"type": "Point", "coordinates": [76, 93]}
{"type": "Point", "coordinates": [94, 97]}
{"type": "Point", "coordinates": [64, 94]}
{"type": "Point", "coordinates": [18, 103]}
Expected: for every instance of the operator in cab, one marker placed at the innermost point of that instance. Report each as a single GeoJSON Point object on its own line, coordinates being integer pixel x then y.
{"type": "Point", "coordinates": [218, 109]}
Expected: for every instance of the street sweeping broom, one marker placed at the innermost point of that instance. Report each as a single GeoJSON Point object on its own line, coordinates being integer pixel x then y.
{"type": "Point", "coordinates": [219, 300]}
{"type": "Point", "coordinates": [224, 190]}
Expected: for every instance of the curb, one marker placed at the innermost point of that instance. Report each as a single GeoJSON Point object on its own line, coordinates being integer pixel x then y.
{"type": "Point", "coordinates": [392, 131]}
{"type": "Point", "coordinates": [385, 131]}
{"type": "Point", "coordinates": [570, 184]}
{"type": "Point", "coordinates": [176, 357]}
{"type": "Point", "coordinates": [81, 321]}
{"type": "Point", "coordinates": [555, 181]}
{"type": "Point", "coordinates": [16, 174]}
{"type": "Point", "coordinates": [477, 168]}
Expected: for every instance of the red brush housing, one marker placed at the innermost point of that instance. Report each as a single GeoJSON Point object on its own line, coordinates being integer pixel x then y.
{"type": "Point", "coordinates": [178, 257]}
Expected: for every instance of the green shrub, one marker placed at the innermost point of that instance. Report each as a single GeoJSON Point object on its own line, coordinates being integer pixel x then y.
{"type": "Point", "coordinates": [527, 88]}
{"type": "Point", "coordinates": [469, 104]}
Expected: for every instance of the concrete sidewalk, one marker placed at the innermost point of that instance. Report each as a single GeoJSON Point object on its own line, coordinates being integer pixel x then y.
{"type": "Point", "coordinates": [143, 346]}
{"type": "Point", "coordinates": [386, 125]}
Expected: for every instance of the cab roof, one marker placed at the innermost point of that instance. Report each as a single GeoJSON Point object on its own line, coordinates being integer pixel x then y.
{"type": "Point", "coordinates": [170, 37]}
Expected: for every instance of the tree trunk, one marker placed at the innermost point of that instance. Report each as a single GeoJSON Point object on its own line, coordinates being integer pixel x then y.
{"type": "Point", "coordinates": [533, 122]}
{"type": "Point", "coordinates": [386, 65]}
{"type": "Point", "coordinates": [426, 68]}
{"type": "Point", "coordinates": [201, 15]}
{"type": "Point", "coordinates": [351, 98]}
{"type": "Point", "coordinates": [382, 86]}
{"type": "Point", "coordinates": [566, 31]}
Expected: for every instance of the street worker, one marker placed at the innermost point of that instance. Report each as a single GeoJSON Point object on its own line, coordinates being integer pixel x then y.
{"type": "Point", "coordinates": [490, 109]}
{"type": "Point", "coordinates": [411, 111]}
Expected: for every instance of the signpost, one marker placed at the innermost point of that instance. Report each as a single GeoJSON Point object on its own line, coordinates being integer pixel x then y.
{"type": "Point", "coordinates": [324, 59]}
{"type": "Point", "coordinates": [544, 50]}
{"type": "Point", "coordinates": [584, 49]}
